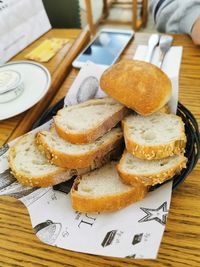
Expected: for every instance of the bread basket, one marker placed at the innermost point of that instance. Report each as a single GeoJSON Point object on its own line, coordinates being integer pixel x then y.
{"type": "Point", "coordinates": [191, 128]}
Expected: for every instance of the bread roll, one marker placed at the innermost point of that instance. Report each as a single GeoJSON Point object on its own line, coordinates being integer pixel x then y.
{"type": "Point", "coordinates": [138, 85]}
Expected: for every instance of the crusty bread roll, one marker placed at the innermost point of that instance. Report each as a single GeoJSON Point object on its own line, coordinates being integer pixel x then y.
{"type": "Point", "coordinates": [138, 85]}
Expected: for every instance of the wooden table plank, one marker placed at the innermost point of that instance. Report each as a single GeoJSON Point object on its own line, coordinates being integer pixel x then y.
{"type": "Point", "coordinates": [181, 242]}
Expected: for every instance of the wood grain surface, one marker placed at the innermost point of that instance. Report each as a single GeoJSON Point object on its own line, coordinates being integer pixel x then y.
{"type": "Point", "coordinates": [181, 242]}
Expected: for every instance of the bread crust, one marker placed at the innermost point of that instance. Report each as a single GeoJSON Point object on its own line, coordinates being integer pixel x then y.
{"type": "Point", "coordinates": [105, 203]}
{"type": "Point", "coordinates": [175, 147]}
{"type": "Point", "coordinates": [165, 109]}
{"type": "Point", "coordinates": [83, 160]}
{"type": "Point", "coordinates": [138, 85]}
{"type": "Point", "coordinates": [50, 179]}
{"type": "Point", "coordinates": [149, 179]}
{"type": "Point", "coordinates": [90, 135]}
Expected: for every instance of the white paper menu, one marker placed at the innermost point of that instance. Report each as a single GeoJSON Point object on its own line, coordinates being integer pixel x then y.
{"type": "Point", "coordinates": [21, 22]}
{"type": "Point", "coordinates": [133, 232]}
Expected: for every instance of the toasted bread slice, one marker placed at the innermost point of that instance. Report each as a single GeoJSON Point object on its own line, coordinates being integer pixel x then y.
{"type": "Point", "coordinates": [68, 155]}
{"type": "Point", "coordinates": [154, 137]}
{"type": "Point", "coordinates": [149, 172]}
{"type": "Point", "coordinates": [86, 122]}
{"type": "Point", "coordinates": [102, 190]}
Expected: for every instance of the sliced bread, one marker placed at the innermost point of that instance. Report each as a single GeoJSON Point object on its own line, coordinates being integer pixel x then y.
{"type": "Point", "coordinates": [156, 136]}
{"type": "Point", "coordinates": [68, 155]}
{"type": "Point", "coordinates": [149, 172]}
{"type": "Point", "coordinates": [30, 166]}
{"type": "Point", "coordinates": [86, 122]}
{"type": "Point", "coordinates": [102, 190]}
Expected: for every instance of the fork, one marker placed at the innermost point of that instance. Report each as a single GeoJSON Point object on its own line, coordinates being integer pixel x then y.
{"type": "Point", "coordinates": [164, 45]}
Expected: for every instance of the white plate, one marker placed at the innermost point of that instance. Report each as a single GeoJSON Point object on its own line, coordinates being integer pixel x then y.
{"type": "Point", "coordinates": [36, 79]}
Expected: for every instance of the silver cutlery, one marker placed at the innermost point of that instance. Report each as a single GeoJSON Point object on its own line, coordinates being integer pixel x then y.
{"type": "Point", "coordinates": [152, 43]}
{"type": "Point", "coordinates": [165, 43]}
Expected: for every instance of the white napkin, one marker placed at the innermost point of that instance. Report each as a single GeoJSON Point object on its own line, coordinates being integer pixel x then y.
{"type": "Point", "coordinates": [86, 85]}
{"type": "Point", "coordinates": [171, 67]}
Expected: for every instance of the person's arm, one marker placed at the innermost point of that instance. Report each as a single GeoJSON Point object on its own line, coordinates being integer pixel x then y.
{"type": "Point", "coordinates": [196, 32]}
{"type": "Point", "coordinates": [177, 16]}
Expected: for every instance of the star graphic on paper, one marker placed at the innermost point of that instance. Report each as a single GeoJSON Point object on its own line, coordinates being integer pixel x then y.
{"type": "Point", "coordinates": [159, 214]}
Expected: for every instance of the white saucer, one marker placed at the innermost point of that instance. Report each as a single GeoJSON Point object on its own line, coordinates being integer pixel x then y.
{"type": "Point", "coordinates": [36, 79]}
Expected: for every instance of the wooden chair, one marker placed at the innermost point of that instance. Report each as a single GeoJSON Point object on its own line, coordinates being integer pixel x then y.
{"type": "Point", "coordinates": [137, 23]}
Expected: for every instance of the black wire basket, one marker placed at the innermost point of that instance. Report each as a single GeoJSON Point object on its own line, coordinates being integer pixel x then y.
{"type": "Point", "coordinates": [192, 151]}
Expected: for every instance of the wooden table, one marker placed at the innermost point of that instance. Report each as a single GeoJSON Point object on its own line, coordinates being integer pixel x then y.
{"type": "Point", "coordinates": [181, 242]}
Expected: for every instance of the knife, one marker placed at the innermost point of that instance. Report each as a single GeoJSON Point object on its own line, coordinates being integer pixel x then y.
{"type": "Point", "coordinates": [152, 43]}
